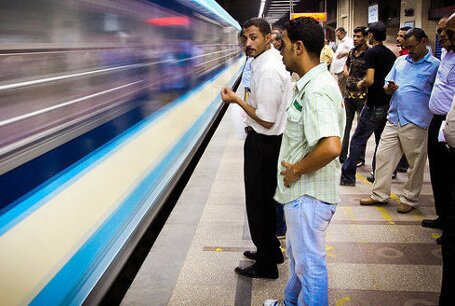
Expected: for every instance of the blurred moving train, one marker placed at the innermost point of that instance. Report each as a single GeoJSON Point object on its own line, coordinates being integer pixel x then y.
{"type": "Point", "coordinates": [77, 71]}
{"type": "Point", "coordinates": [70, 66]}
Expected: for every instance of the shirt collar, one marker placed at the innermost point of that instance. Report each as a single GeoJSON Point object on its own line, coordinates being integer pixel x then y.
{"type": "Point", "coordinates": [450, 54]}
{"type": "Point", "coordinates": [301, 83]}
{"type": "Point", "coordinates": [425, 58]}
{"type": "Point", "coordinates": [258, 61]}
{"type": "Point", "coordinates": [361, 52]}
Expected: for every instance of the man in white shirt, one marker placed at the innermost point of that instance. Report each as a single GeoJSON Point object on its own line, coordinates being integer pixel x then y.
{"type": "Point", "coordinates": [447, 295]}
{"type": "Point", "coordinates": [340, 57]}
{"type": "Point", "coordinates": [266, 109]}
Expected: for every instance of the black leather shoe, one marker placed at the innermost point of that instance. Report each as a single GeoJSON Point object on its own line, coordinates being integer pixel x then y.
{"type": "Point", "coordinates": [250, 255]}
{"type": "Point", "coordinates": [346, 183]}
{"type": "Point", "coordinates": [279, 259]}
{"type": "Point", "coordinates": [370, 178]}
{"type": "Point", "coordinates": [402, 169]}
{"type": "Point", "coordinates": [253, 255]}
{"type": "Point", "coordinates": [439, 240]}
{"type": "Point", "coordinates": [436, 223]}
{"type": "Point", "coordinates": [251, 272]}
{"type": "Point", "coordinates": [360, 164]}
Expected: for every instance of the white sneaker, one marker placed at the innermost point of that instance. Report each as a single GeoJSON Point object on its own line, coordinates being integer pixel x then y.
{"type": "Point", "coordinates": [273, 303]}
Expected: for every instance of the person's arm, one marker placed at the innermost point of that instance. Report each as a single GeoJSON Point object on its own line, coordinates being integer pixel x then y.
{"type": "Point", "coordinates": [368, 80]}
{"type": "Point", "coordinates": [228, 96]}
{"type": "Point", "coordinates": [326, 150]}
{"type": "Point", "coordinates": [347, 46]}
{"type": "Point", "coordinates": [346, 67]}
{"type": "Point", "coordinates": [346, 70]}
{"type": "Point", "coordinates": [449, 130]}
{"type": "Point", "coordinates": [342, 54]}
{"type": "Point", "coordinates": [390, 88]}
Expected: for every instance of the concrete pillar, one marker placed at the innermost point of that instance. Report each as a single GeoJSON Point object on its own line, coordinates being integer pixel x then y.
{"type": "Point", "coordinates": [351, 14]}
{"type": "Point", "coordinates": [360, 13]}
{"type": "Point", "coordinates": [344, 15]}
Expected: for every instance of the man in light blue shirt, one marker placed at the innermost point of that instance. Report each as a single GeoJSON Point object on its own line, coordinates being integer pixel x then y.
{"type": "Point", "coordinates": [410, 82]}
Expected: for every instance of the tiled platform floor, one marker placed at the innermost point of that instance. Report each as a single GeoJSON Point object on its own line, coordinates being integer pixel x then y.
{"type": "Point", "coordinates": [375, 255]}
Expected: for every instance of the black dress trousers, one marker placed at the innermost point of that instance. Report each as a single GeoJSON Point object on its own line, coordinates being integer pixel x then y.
{"type": "Point", "coordinates": [438, 158]}
{"type": "Point", "coordinates": [260, 174]}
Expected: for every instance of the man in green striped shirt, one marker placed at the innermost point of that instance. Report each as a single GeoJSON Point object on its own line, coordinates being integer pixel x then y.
{"type": "Point", "coordinates": [309, 170]}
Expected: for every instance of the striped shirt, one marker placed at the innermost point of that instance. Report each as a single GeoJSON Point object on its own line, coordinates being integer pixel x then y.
{"type": "Point", "coordinates": [316, 111]}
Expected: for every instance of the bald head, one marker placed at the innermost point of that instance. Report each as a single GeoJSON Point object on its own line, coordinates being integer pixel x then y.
{"type": "Point", "coordinates": [451, 30]}
{"type": "Point", "coordinates": [443, 38]}
{"type": "Point", "coordinates": [451, 20]}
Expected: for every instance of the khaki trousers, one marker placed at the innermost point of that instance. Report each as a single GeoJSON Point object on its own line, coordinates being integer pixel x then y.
{"type": "Point", "coordinates": [396, 140]}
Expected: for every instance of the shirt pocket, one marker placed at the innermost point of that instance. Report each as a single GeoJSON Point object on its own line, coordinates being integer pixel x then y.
{"type": "Point", "coordinates": [294, 121]}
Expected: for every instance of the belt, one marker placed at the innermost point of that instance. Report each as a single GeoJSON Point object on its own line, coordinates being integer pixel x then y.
{"type": "Point", "coordinates": [377, 106]}
{"type": "Point", "coordinates": [439, 117]}
{"type": "Point", "coordinates": [249, 129]}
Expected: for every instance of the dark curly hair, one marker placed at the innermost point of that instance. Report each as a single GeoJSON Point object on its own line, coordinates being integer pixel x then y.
{"type": "Point", "coordinates": [261, 23]}
{"type": "Point", "coordinates": [308, 31]}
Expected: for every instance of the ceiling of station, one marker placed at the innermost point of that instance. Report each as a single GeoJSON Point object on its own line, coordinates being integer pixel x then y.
{"type": "Point", "coordinates": [241, 10]}
{"type": "Point", "coordinates": [277, 8]}
{"type": "Point", "coordinates": [274, 10]}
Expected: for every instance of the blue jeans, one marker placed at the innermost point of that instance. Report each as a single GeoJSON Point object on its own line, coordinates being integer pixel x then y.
{"type": "Point", "coordinates": [352, 107]}
{"type": "Point", "coordinates": [307, 219]}
{"type": "Point", "coordinates": [372, 120]}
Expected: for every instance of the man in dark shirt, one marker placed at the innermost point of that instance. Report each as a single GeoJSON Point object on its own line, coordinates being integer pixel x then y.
{"type": "Point", "coordinates": [379, 60]}
{"type": "Point", "coordinates": [354, 98]}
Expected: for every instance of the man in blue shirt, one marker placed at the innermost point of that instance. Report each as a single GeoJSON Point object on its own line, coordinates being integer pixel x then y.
{"type": "Point", "coordinates": [410, 82]}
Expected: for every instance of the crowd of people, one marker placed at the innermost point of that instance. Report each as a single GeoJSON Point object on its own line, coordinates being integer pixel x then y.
{"type": "Point", "coordinates": [300, 105]}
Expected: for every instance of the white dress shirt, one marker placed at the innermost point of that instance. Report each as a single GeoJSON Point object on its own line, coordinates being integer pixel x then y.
{"type": "Point", "coordinates": [346, 44]}
{"type": "Point", "coordinates": [270, 92]}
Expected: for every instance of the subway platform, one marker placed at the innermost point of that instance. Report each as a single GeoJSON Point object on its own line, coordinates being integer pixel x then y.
{"type": "Point", "coordinates": [375, 256]}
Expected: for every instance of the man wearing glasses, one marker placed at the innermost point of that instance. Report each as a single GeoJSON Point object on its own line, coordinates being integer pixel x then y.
{"type": "Point", "coordinates": [440, 102]}
{"type": "Point", "coordinates": [410, 82]}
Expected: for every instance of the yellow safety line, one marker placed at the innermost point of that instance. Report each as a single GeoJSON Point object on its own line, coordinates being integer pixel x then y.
{"type": "Point", "coordinates": [342, 301]}
{"type": "Point", "coordinates": [364, 180]}
{"type": "Point", "coordinates": [384, 213]}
